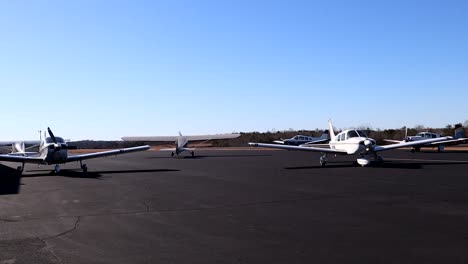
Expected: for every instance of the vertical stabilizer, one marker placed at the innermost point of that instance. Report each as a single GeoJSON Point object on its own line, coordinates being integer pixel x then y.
{"type": "Point", "coordinates": [331, 131]}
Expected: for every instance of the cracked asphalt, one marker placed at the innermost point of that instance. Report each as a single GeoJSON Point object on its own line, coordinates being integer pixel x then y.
{"type": "Point", "coordinates": [242, 206]}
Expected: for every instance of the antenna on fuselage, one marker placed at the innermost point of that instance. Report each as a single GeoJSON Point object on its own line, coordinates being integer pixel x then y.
{"type": "Point", "coordinates": [40, 134]}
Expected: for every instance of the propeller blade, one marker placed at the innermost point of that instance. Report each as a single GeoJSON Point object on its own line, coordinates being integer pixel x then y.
{"type": "Point", "coordinates": [52, 135]}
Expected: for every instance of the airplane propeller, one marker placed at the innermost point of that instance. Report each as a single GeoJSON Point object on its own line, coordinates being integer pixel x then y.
{"type": "Point", "coordinates": [56, 145]}
{"type": "Point", "coordinates": [369, 144]}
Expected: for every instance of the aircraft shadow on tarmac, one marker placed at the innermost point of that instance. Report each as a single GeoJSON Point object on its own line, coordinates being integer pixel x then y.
{"type": "Point", "coordinates": [387, 164]}
{"type": "Point", "coordinates": [9, 180]}
{"type": "Point", "coordinates": [214, 156]}
{"type": "Point", "coordinates": [90, 174]}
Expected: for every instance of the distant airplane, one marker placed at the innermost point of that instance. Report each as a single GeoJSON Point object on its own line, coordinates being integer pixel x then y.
{"type": "Point", "coordinates": [181, 141]}
{"type": "Point", "coordinates": [54, 150]}
{"type": "Point", "coordinates": [18, 147]}
{"type": "Point", "coordinates": [300, 139]}
{"type": "Point", "coordinates": [350, 142]}
{"type": "Point", "coordinates": [459, 139]}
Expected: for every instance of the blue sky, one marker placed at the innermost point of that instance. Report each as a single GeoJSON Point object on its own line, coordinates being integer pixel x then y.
{"type": "Point", "coordinates": [105, 69]}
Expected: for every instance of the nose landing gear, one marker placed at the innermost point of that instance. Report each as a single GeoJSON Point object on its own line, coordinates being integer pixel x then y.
{"type": "Point", "coordinates": [56, 169]}
{"type": "Point", "coordinates": [84, 167]}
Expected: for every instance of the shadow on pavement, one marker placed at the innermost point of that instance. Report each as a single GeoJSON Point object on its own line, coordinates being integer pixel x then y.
{"type": "Point", "coordinates": [89, 174]}
{"type": "Point", "coordinates": [212, 156]}
{"type": "Point", "coordinates": [9, 180]}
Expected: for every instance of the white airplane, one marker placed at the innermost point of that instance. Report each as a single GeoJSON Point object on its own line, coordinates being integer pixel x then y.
{"type": "Point", "coordinates": [300, 139]}
{"type": "Point", "coordinates": [350, 142]}
{"type": "Point", "coordinates": [426, 135]}
{"type": "Point", "coordinates": [54, 150]}
{"type": "Point", "coordinates": [181, 141]}
{"type": "Point", "coordinates": [18, 147]}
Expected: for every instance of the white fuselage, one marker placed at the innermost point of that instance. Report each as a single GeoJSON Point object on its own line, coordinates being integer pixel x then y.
{"type": "Point", "coordinates": [181, 142]}
{"type": "Point", "coordinates": [351, 141]}
{"type": "Point", "coordinates": [53, 153]}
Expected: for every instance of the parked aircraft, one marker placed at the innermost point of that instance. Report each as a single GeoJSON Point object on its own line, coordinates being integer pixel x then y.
{"type": "Point", "coordinates": [19, 147]}
{"type": "Point", "coordinates": [181, 141]}
{"type": "Point", "coordinates": [459, 139]}
{"type": "Point", "coordinates": [54, 150]}
{"type": "Point", "coordinates": [300, 139]}
{"type": "Point", "coordinates": [350, 142]}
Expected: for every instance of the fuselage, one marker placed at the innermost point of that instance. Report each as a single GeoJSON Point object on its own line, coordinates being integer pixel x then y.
{"type": "Point", "coordinates": [53, 153]}
{"type": "Point", "coordinates": [181, 142]}
{"type": "Point", "coordinates": [352, 141]}
{"type": "Point", "coordinates": [299, 140]}
{"type": "Point", "coordinates": [422, 136]}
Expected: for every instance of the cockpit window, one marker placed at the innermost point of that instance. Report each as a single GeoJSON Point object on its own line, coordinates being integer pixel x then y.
{"type": "Point", "coordinates": [361, 133]}
{"type": "Point", "coordinates": [351, 134]}
{"type": "Point", "coordinates": [342, 137]}
{"type": "Point", "coordinates": [59, 140]}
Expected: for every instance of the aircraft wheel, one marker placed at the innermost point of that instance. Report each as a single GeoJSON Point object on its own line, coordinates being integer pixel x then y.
{"type": "Point", "coordinates": [323, 161]}
{"type": "Point", "coordinates": [193, 154]}
{"type": "Point", "coordinates": [84, 167]}
{"type": "Point", "coordinates": [19, 170]}
{"type": "Point", "coordinates": [413, 150]}
{"type": "Point", "coordinates": [57, 169]}
{"type": "Point", "coordinates": [172, 154]}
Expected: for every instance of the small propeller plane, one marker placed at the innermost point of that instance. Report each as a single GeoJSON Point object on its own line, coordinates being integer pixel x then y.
{"type": "Point", "coordinates": [350, 142]}
{"type": "Point", "coordinates": [181, 141]}
{"type": "Point", "coordinates": [300, 139]}
{"type": "Point", "coordinates": [459, 139]}
{"type": "Point", "coordinates": [54, 150]}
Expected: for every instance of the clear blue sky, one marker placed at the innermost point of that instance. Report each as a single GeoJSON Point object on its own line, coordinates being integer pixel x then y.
{"type": "Point", "coordinates": [104, 69]}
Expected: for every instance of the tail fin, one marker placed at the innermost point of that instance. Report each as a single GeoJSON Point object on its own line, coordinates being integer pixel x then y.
{"type": "Point", "coordinates": [330, 130]}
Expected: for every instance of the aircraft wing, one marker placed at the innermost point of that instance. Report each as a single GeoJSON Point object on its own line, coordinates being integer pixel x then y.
{"type": "Point", "coordinates": [393, 141]}
{"type": "Point", "coordinates": [451, 141]}
{"type": "Point", "coordinates": [106, 153]}
{"type": "Point", "coordinates": [410, 144]}
{"type": "Point", "coordinates": [168, 149]}
{"type": "Point", "coordinates": [20, 158]}
{"type": "Point", "coordinates": [317, 141]}
{"type": "Point", "coordinates": [299, 148]}
{"type": "Point", "coordinates": [174, 138]}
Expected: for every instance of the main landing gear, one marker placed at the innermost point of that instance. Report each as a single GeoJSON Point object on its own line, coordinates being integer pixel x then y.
{"type": "Point", "coordinates": [84, 167]}
{"type": "Point", "coordinates": [20, 169]}
{"type": "Point", "coordinates": [323, 159]}
{"type": "Point", "coordinates": [193, 154]}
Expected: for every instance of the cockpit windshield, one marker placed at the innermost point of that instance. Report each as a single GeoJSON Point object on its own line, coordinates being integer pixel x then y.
{"type": "Point", "coordinates": [59, 140]}
{"type": "Point", "coordinates": [351, 134]}
{"type": "Point", "coordinates": [361, 133]}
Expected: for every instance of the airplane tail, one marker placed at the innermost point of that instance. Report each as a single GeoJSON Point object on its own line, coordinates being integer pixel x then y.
{"type": "Point", "coordinates": [330, 130]}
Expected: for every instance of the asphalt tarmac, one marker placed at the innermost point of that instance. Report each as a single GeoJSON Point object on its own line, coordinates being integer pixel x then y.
{"type": "Point", "coordinates": [238, 207]}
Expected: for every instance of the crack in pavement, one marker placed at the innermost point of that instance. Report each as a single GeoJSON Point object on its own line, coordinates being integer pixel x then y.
{"type": "Point", "coordinates": [75, 226]}
{"type": "Point", "coordinates": [148, 210]}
